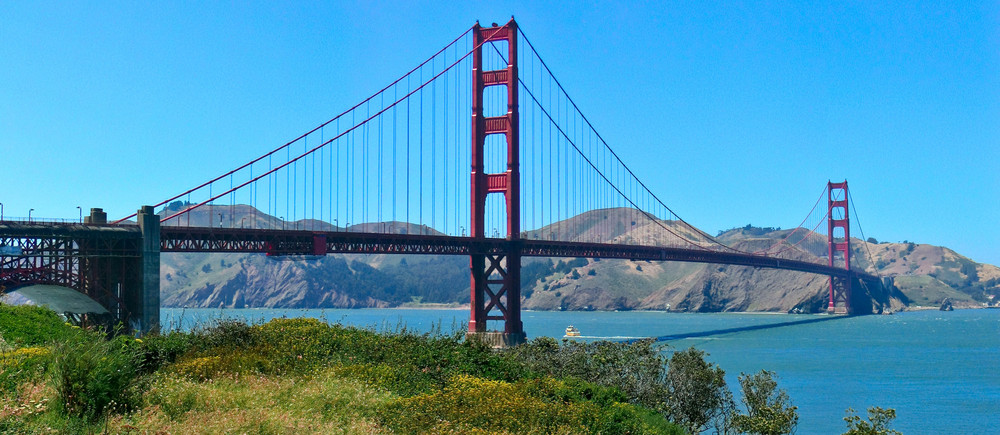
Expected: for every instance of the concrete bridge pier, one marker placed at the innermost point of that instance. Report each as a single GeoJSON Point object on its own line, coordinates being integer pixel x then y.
{"type": "Point", "coordinates": [147, 316]}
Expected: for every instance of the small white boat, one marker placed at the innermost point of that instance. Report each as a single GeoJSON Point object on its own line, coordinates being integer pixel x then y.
{"type": "Point", "coordinates": [571, 331]}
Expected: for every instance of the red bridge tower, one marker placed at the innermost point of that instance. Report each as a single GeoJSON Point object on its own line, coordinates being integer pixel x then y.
{"type": "Point", "coordinates": [496, 276]}
{"type": "Point", "coordinates": [840, 243]}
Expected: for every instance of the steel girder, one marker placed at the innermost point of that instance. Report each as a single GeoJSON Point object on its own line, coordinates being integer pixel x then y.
{"type": "Point", "coordinates": [298, 242]}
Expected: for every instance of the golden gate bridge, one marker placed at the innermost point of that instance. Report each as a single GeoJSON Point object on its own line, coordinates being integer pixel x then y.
{"type": "Point", "coordinates": [478, 151]}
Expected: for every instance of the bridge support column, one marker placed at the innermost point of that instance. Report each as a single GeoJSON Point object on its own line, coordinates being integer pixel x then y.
{"type": "Point", "coordinates": [148, 316]}
{"type": "Point", "coordinates": [496, 275]}
{"type": "Point", "coordinates": [839, 243]}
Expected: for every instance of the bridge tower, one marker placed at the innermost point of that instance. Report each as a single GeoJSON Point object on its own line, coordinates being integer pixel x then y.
{"type": "Point", "coordinates": [496, 276]}
{"type": "Point", "coordinates": [840, 287]}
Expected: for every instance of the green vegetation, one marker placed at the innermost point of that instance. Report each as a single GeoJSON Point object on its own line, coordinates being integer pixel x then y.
{"type": "Point", "coordinates": [927, 290]}
{"type": "Point", "coordinates": [769, 410]}
{"type": "Point", "coordinates": [878, 422]}
{"type": "Point", "coordinates": [696, 390]}
{"type": "Point", "coordinates": [92, 375]}
{"type": "Point", "coordinates": [303, 375]}
{"type": "Point", "coordinates": [292, 375]}
{"type": "Point", "coordinates": [750, 230]}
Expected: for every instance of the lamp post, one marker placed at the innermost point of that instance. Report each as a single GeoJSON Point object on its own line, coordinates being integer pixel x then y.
{"type": "Point", "coordinates": [241, 221]}
{"type": "Point", "coordinates": [29, 215]}
{"type": "Point", "coordinates": [282, 222]}
{"type": "Point", "coordinates": [335, 227]}
{"type": "Point", "coordinates": [1, 211]}
{"type": "Point", "coordinates": [220, 220]}
{"type": "Point", "coordinates": [80, 210]}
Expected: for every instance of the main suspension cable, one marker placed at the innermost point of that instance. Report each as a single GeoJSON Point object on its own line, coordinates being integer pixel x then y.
{"type": "Point", "coordinates": [366, 100]}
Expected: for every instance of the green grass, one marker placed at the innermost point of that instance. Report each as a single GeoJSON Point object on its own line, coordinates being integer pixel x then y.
{"type": "Point", "coordinates": [26, 326]}
{"type": "Point", "coordinates": [928, 291]}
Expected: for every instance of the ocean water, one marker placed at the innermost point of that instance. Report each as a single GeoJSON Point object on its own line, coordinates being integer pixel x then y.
{"type": "Point", "coordinates": [939, 370]}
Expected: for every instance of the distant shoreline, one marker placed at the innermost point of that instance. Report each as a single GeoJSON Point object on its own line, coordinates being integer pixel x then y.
{"type": "Point", "coordinates": [457, 306]}
{"type": "Point", "coordinates": [431, 306]}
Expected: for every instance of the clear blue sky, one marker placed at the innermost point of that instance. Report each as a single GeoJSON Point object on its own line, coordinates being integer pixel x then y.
{"type": "Point", "coordinates": [732, 113]}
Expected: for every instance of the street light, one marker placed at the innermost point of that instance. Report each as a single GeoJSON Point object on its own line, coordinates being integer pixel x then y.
{"type": "Point", "coordinates": [80, 210]}
{"type": "Point", "coordinates": [1, 211]}
{"type": "Point", "coordinates": [220, 220]}
{"type": "Point", "coordinates": [29, 215]}
{"type": "Point", "coordinates": [241, 221]}
{"type": "Point", "coordinates": [282, 222]}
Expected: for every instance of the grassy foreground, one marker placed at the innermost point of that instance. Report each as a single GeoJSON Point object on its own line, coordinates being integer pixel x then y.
{"type": "Point", "coordinates": [306, 376]}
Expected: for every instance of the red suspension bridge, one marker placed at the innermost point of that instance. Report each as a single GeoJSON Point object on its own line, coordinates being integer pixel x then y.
{"type": "Point", "coordinates": [406, 171]}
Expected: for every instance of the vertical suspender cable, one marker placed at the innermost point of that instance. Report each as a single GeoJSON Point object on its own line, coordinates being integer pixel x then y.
{"type": "Point", "coordinates": [433, 180]}
{"type": "Point", "coordinates": [380, 171]}
{"type": "Point", "coordinates": [395, 161]}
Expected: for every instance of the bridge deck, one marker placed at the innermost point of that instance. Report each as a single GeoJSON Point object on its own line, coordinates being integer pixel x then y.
{"type": "Point", "coordinates": [299, 242]}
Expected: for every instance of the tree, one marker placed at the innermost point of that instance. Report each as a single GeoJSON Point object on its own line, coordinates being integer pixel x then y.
{"type": "Point", "coordinates": [696, 390]}
{"type": "Point", "coordinates": [872, 240]}
{"type": "Point", "coordinates": [878, 422]}
{"type": "Point", "coordinates": [769, 410]}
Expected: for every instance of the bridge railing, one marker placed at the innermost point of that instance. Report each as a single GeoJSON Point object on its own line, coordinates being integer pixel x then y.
{"type": "Point", "coordinates": [39, 220]}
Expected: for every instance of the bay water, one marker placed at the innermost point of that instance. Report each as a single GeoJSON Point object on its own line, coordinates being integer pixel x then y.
{"type": "Point", "coordinates": [939, 370]}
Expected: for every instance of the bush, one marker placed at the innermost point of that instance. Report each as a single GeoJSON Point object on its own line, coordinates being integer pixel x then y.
{"type": "Point", "coordinates": [471, 404]}
{"type": "Point", "coordinates": [92, 375]}
{"type": "Point", "coordinates": [696, 389]}
{"type": "Point", "coordinates": [769, 410]}
{"type": "Point", "coordinates": [637, 369]}
{"type": "Point", "coordinates": [157, 349]}
{"type": "Point", "coordinates": [878, 423]}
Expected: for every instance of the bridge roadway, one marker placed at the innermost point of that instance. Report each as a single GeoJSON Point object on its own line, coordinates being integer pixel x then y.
{"type": "Point", "coordinates": [303, 242]}
{"type": "Point", "coordinates": [118, 265]}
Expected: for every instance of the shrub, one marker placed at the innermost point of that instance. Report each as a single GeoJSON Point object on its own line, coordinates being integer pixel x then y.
{"type": "Point", "coordinates": [696, 389]}
{"type": "Point", "coordinates": [637, 368]}
{"type": "Point", "coordinates": [92, 375]}
{"type": "Point", "coordinates": [769, 410]}
{"type": "Point", "coordinates": [878, 423]}
{"type": "Point", "coordinates": [228, 334]}
{"type": "Point", "coordinates": [157, 349]}
{"type": "Point", "coordinates": [201, 368]}
{"type": "Point", "coordinates": [471, 404]}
